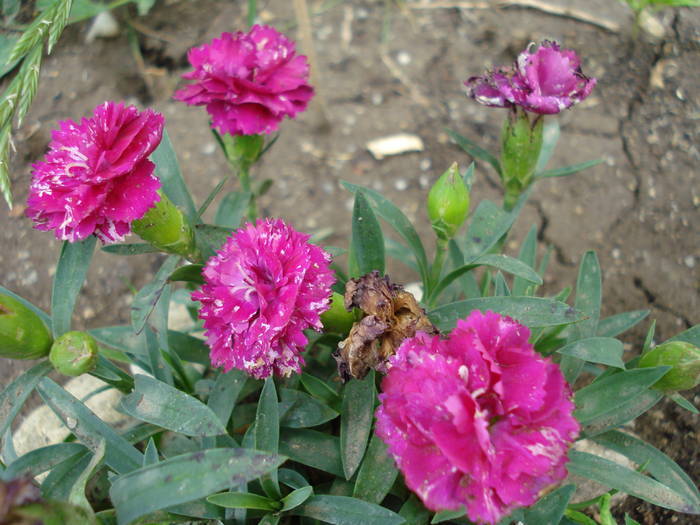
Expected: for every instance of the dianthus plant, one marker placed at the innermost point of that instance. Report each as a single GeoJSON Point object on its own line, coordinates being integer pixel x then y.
{"type": "Point", "coordinates": [307, 386]}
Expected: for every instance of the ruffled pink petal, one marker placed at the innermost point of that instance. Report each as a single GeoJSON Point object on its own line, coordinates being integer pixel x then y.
{"type": "Point", "coordinates": [477, 420]}
{"type": "Point", "coordinates": [248, 82]}
{"type": "Point", "coordinates": [263, 288]}
{"type": "Point", "coordinates": [96, 178]}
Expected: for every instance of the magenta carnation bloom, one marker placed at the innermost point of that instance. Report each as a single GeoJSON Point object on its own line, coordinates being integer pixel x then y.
{"type": "Point", "coordinates": [96, 177]}
{"type": "Point", "coordinates": [479, 419]}
{"type": "Point", "coordinates": [264, 286]}
{"type": "Point", "coordinates": [546, 81]}
{"type": "Point", "coordinates": [248, 81]}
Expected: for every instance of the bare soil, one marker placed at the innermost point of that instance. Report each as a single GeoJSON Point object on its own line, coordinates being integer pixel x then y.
{"type": "Point", "coordinates": [384, 70]}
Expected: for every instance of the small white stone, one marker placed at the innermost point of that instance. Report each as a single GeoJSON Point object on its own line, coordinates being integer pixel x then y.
{"type": "Point", "coordinates": [394, 145]}
{"type": "Point", "coordinates": [209, 148]}
{"type": "Point", "coordinates": [104, 25]}
{"type": "Point", "coordinates": [400, 184]}
{"type": "Point", "coordinates": [377, 98]}
{"type": "Point", "coordinates": [403, 58]}
{"type": "Point", "coordinates": [616, 253]}
{"type": "Point", "coordinates": [689, 261]}
{"type": "Point", "coordinates": [425, 164]}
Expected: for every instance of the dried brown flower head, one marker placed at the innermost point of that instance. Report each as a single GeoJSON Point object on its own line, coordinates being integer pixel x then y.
{"type": "Point", "coordinates": [391, 314]}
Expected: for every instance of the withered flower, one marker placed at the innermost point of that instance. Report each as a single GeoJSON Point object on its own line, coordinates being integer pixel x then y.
{"type": "Point", "coordinates": [391, 314]}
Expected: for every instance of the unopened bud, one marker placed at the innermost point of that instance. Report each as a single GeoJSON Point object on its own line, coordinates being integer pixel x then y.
{"type": "Point", "coordinates": [448, 203]}
{"type": "Point", "coordinates": [23, 335]}
{"type": "Point", "coordinates": [684, 360]}
{"type": "Point", "coordinates": [165, 227]}
{"type": "Point", "coordinates": [337, 319]}
{"type": "Point", "coordinates": [74, 353]}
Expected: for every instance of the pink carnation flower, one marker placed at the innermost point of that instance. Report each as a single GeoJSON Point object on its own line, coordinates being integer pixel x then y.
{"type": "Point", "coordinates": [264, 286]}
{"type": "Point", "coordinates": [96, 177]}
{"type": "Point", "coordinates": [248, 81]}
{"type": "Point", "coordinates": [546, 81]}
{"type": "Point", "coordinates": [478, 419]}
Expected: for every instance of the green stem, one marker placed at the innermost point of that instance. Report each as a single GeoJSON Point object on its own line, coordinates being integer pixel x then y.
{"type": "Point", "coordinates": [252, 12]}
{"type": "Point", "coordinates": [436, 268]}
{"type": "Point", "coordinates": [244, 176]}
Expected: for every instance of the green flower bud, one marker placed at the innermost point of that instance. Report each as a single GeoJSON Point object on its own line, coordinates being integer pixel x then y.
{"type": "Point", "coordinates": [337, 319]}
{"type": "Point", "coordinates": [448, 203]}
{"type": "Point", "coordinates": [165, 227]}
{"type": "Point", "coordinates": [684, 358]}
{"type": "Point", "coordinates": [74, 353]}
{"type": "Point", "coordinates": [521, 143]}
{"type": "Point", "coordinates": [23, 335]}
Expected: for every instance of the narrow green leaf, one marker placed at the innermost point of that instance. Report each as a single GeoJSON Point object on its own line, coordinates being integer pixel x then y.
{"type": "Point", "coordinates": [296, 498]}
{"type": "Point", "coordinates": [267, 432]}
{"type": "Point", "coordinates": [130, 249]}
{"type": "Point", "coordinates": [655, 462]}
{"type": "Point", "coordinates": [530, 311]}
{"type": "Point", "coordinates": [150, 454]}
{"type": "Point", "coordinates": [502, 262]}
{"type": "Point", "coordinates": [691, 335]}
{"type": "Point", "coordinates": [550, 509]}
{"type": "Point", "coordinates": [210, 238]}
{"type": "Point", "coordinates": [189, 348]}
{"type": "Point", "coordinates": [243, 500]}
{"type": "Point", "coordinates": [588, 300]}
{"type": "Point", "coordinates": [447, 515]}
{"type": "Point", "coordinates": [488, 226]}
{"type": "Point", "coordinates": [168, 171]}
{"type": "Point", "coordinates": [625, 412]}
{"type": "Point", "coordinates": [528, 254]}
{"type": "Point", "coordinates": [568, 170]}
{"type": "Point", "coordinates": [292, 478]}
{"type": "Point", "coordinates": [314, 449]}
{"type": "Point", "coordinates": [111, 374]}
{"type": "Point", "coordinates": [232, 209]}
{"type": "Point", "coordinates": [62, 477]}
{"type": "Point", "coordinates": [304, 411]}
{"type": "Point", "coordinates": [624, 479]}
{"type": "Point", "coordinates": [475, 151]}
{"type": "Point", "coordinates": [319, 389]}
{"type": "Point", "coordinates": [605, 395]}
{"type": "Point", "coordinates": [617, 324]}
{"type": "Point", "coordinates": [158, 403]}
{"type": "Point", "coordinates": [224, 393]}
{"type": "Point", "coordinates": [390, 213]}
{"type": "Point", "coordinates": [341, 510]}
{"type": "Point", "coordinates": [603, 350]}
{"type": "Point", "coordinates": [147, 298]}
{"type": "Point", "coordinates": [367, 238]}
{"type": "Point", "coordinates": [41, 459]}
{"type": "Point", "coordinates": [190, 273]}
{"type": "Point", "coordinates": [186, 478]}
{"type": "Point", "coordinates": [630, 521]}
{"type": "Point", "coordinates": [76, 496]}
{"type": "Point", "coordinates": [683, 403]}
{"type": "Point", "coordinates": [88, 428]}
{"type": "Point", "coordinates": [414, 512]}
{"type": "Point", "coordinates": [13, 397]}
{"type": "Point", "coordinates": [377, 473]}
{"type": "Point", "coordinates": [356, 421]}
{"type": "Point", "coordinates": [71, 269]}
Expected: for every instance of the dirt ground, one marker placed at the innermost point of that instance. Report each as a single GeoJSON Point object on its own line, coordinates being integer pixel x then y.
{"type": "Point", "coordinates": [382, 71]}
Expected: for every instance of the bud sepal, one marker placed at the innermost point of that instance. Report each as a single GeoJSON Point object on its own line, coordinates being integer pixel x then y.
{"type": "Point", "coordinates": [74, 353]}
{"type": "Point", "coordinates": [684, 360]}
{"type": "Point", "coordinates": [23, 335]}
